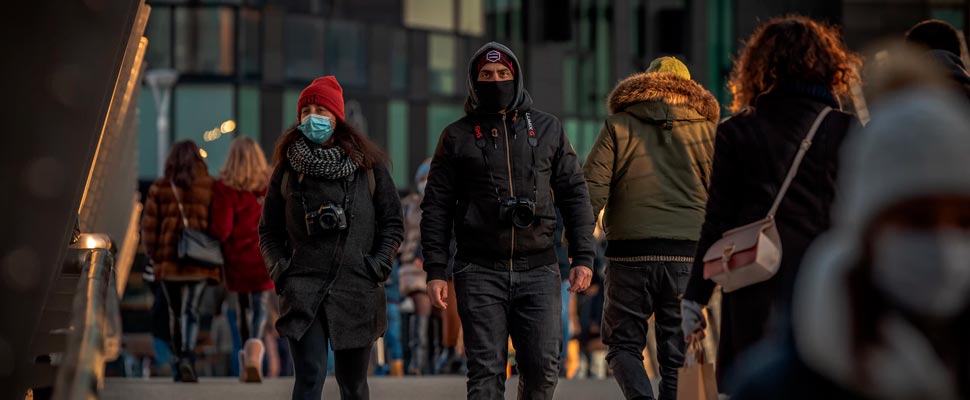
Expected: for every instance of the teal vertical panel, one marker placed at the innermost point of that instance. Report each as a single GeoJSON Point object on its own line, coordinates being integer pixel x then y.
{"type": "Point", "coordinates": [397, 141]}
{"type": "Point", "coordinates": [147, 136]}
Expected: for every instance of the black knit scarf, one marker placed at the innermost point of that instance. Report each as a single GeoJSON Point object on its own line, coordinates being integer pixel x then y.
{"type": "Point", "coordinates": [329, 163]}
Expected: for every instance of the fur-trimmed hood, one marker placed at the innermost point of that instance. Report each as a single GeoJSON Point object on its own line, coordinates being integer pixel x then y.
{"type": "Point", "coordinates": [664, 87]}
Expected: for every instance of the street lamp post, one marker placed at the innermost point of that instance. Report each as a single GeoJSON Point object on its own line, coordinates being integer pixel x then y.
{"type": "Point", "coordinates": [161, 81]}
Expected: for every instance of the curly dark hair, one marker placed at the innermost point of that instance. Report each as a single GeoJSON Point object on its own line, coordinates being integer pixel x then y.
{"type": "Point", "coordinates": [792, 48]}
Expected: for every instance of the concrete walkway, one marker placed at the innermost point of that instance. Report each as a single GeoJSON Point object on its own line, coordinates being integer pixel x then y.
{"type": "Point", "coordinates": [430, 388]}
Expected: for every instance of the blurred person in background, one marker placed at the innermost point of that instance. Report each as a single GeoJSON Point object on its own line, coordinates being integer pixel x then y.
{"type": "Point", "coordinates": [186, 185]}
{"type": "Point", "coordinates": [650, 168]}
{"type": "Point", "coordinates": [237, 204]}
{"type": "Point", "coordinates": [882, 306]}
{"type": "Point", "coordinates": [413, 279]}
{"type": "Point", "coordinates": [942, 44]}
{"type": "Point", "coordinates": [330, 229]}
{"type": "Point", "coordinates": [788, 72]}
{"type": "Point", "coordinates": [506, 270]}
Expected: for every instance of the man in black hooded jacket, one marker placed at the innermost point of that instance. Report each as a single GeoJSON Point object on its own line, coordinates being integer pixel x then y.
{"type": "Point", "coordinates": [497, 177]}
{"type": "Point", "coordinates": [942, 43]}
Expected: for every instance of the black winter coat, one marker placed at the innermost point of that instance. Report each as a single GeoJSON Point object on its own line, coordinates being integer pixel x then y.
{"type": "Point", "coordinates": [483, 159]}
{"type": "Point", "coordinates": [752, 155]}
{"type": "Point", "coordinates": [304, 268]}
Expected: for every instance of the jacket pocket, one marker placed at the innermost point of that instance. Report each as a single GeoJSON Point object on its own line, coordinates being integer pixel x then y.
{"type": "Point", "coordinates": [377, 272]}
{"type": "Point", "coordinates": [278, 272]}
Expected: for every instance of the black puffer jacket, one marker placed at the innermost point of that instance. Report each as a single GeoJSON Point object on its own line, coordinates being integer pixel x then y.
{"type": "Point", "coordinates": [484, 158]}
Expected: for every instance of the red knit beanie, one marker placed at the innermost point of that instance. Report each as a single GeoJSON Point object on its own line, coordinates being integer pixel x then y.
{"type": "Point", "coordinates": [324, 91]}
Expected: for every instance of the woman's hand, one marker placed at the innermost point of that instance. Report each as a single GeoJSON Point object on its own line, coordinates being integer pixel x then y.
{"type": "Point", "coordinates": [692, 320]}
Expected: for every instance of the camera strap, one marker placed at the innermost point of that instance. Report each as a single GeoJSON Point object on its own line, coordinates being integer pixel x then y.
{"type": "Point", "coordinates": [480, 142]}
{"type": "Point", "coordinates": [533, 142]}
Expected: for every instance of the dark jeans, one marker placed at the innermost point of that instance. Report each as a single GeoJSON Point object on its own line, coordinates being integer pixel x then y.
{"type": "Point", "coordinates": [495, 304]}
{"type": "Point", "coordinates": [310, 365]}
{"type": "Point", "coordinates": [183, 301]}
{"type": "Point", "coordinates": [634, 291]}
{"type": "Point", "coordinates": [252, 326]}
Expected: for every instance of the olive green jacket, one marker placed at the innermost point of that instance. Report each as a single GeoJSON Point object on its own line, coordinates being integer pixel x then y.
{"type": "Point", "coordinates": [651, 164]}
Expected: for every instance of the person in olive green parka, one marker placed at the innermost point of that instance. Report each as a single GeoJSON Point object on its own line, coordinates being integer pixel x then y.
{"type": "Point", "coordinates": [650, 168]}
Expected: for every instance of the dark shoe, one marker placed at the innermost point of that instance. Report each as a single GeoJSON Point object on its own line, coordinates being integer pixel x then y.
{"type": "Point", "coordinates": [176, 376]}
{"type": "Point", "coordinates": [187, 371]}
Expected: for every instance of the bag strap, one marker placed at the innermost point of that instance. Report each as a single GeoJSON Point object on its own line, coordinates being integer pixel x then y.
{"type": "Point", "coordinates": [185, 221]}
{"type": "Point", "coordinates": [371, 182]}
{"type": "Point", "coordinates": [806, 144]}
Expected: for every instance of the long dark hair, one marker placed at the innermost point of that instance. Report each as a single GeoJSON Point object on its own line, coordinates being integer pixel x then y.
{"type": "Point", "coordinates": [345, 136]}
{"type": "Point", "coordinates": [184, 163]}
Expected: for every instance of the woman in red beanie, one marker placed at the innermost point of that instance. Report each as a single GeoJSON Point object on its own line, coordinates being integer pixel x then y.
{"type": "Point", "coordinates": [330, 229]}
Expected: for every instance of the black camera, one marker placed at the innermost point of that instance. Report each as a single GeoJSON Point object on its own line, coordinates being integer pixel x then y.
{"type": "Point", "coordinates": [520, 212]}
{"type": "Point", "coordinates": [329, 217]}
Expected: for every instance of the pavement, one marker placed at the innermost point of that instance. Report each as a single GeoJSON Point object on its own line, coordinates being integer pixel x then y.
{"type": "Point", "coordinates": [424, 388]}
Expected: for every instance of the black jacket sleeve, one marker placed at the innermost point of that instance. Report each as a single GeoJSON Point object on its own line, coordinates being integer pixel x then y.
{"type": "Point", "coordinates": [272, 228]}
{"type": "Point", "coordinates": [438, 212]}
{"type": "Point", "coordinates": [572, 199]}
{"type": "Point", "coordinates": [389, 219]}
{"type": "Point", "coordinates": [719, 217]}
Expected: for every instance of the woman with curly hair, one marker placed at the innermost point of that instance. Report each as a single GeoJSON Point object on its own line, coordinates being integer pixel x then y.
{"type": "Point", "coordinates": [790, 71]}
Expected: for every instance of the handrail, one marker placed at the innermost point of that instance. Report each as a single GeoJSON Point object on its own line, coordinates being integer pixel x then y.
{"type": "Point", "coordinates": [95, 333]}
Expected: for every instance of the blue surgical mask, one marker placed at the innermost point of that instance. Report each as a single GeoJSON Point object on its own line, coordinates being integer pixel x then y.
{"type": "Point", "coordinates": [317, 128]}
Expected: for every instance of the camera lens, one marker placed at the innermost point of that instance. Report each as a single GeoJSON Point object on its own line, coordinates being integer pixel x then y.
{"type": "Point", "coordinates": [328, 221]}
{"type": "Point", "coordinates": [522, 217]}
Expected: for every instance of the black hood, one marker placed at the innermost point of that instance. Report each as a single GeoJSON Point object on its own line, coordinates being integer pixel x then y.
{"type": "Point", "coordinates": [523, 101]}
{"type": "Point", "coordinates": [953, 64]}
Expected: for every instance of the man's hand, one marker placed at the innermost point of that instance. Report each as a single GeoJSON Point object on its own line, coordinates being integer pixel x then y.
{"type": "Point", "coordinates": [580, 278]}
{"type": "Point", "coordinates": [438, 290]}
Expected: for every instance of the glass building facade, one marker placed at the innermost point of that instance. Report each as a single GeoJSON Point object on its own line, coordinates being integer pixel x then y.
{"type": "Point", "coordinates": [403, 63]}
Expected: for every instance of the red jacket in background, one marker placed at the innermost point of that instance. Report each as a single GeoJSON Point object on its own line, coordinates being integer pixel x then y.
{"type": "Point", "coordinates": [234, 217]}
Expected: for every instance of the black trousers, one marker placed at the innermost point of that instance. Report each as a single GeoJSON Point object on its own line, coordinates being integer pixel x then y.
{"type": "Point", "coordinates": [310, 365]}
{"type": "Point", "coordinates": [526, 305]}
{"type": "Point", "coordinates": [634, 291]}
{"type": "Point", "coordinates": [183, 299]}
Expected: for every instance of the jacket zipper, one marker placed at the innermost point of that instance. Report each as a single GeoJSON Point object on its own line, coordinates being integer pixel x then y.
{"type": "Point", "coordinates": [508, 159]}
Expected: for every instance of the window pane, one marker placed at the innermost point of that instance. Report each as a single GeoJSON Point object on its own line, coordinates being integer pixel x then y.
{"type": "Point", "coordinates": [248, 119]}
{"type": "Point", "coordinates": [204, 40]}
{"type": "Point", "coordinates": [399, 60]}
{"type": "Point", "coordinates": [588, 102]}
{"type": "Point", "coordinates": [571, 126]}
{"type": "Point", "coordinates": [303, 47]}
{"type": "Point", "coordinates": [440, 116]}
{"type": "Point", "coordinates": [472, 17]}
{"type": "Point", "coordinates": [397, 141]}
{"type": "Point", "coordinates": [441, 64]}
{"type": "Point", "coordinates": [603, 67]}
{"type": "Point", "coordinates": [159, 34]}
{"type": "Point", "coordinates": [290, 99]}
{"type": "Point", "coordinates": [249, 45]}
{"type": "Point", "coordinates": [430, 14]}
{"type": "Point", "coordinates": [587, 137]}
{"type": "Point", "coordinates": [569, 84]}
{"type": "Point", "coordinates": [200, 109]}
{"type": "Point", "coordinates": [346, 53]}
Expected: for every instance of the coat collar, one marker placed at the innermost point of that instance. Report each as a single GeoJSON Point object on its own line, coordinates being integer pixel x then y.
{"type": "Point", "coordinates": [663, 87]}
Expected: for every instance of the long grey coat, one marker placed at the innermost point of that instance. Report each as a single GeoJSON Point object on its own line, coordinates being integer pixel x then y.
{"type": "Point", "coordinates": [304, 268]}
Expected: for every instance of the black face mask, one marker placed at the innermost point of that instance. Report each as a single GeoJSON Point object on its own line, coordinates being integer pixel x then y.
{"type": "Point", "coordinates": [495, 96]}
